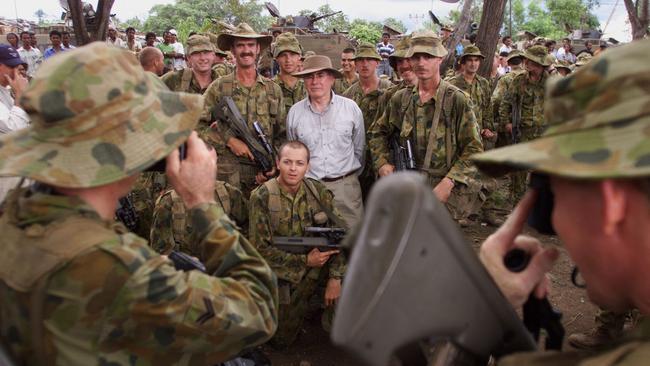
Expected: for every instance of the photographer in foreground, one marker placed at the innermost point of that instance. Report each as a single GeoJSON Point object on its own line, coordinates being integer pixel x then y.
{"type": "Point", "coordinates": [78, 289]}
{"type": "Point", "coordinates": [596, 152]}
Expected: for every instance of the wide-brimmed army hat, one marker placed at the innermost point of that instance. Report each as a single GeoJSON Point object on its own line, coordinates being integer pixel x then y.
{"type": "Point", "coordinates": [96, 117]}
{"type": "Point", "coordinates": [599, 122]}
{"type": "Point", "coordinates": [562, 64]}
{"type": "Point", "coordinates": [243, 30]}
{"type": "Point", "coordinates": [317, 63]}
{"type": "Point", "coordinates": [307, 54]}
{"type": "Point", "coordinates": [286, 42]}
{"type": "Point", "coordinates": [471, 51]}
{"type": "Point", "coordinates": [401, 49]}
{"type": "Point", "coordinates": [199, 43]}
{"type": "Point", "coordinates": [366, 50]}
{"type": "Point", "coordinates": [514, 54]}
{"type": "Point", "coordinates": [583, 59]}
{"type": "Point", "coordinates": [538, 54]}
{"type": "Point", "coordinates": [426, 42]}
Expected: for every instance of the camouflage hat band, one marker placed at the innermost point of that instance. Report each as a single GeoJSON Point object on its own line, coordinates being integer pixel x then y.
{"type": "Point", "coordinates": [116, 121]}
{"type": "Point", "coordinates": [427, 43]}
{"type": "Point", "coordinates": [242, 31]}
{"type": "Point", "coordinates": [199, 43]}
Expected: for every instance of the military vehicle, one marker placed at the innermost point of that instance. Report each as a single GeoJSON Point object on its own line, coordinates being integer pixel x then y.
{"type": "Point", "coordinates": [310, 37]}
{"type": "Point", "coordinates": [581, 36]}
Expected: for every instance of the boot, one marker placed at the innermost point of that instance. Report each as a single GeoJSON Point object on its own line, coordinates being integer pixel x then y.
{"type": "Point", "coordinates": [609, 326]}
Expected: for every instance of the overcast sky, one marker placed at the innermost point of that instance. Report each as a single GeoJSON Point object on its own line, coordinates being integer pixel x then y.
{"type": "Point", "coordinates": [408, 11]}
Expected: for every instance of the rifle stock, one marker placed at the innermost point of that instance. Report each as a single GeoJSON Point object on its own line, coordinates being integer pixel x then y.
{"type": "Point", "coordinates": [303, 245]}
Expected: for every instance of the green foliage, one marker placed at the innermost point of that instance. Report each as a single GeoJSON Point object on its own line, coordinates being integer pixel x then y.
{"type": "Point", "coordinates": [193, 15]}
{"type": "Point", "coordinates": [555, 20]}
{"type": "Point", "coordinates": [365, 31]}
{"type": "Point", "coordinates": [396, 24]}
{"type": "Point", "coordinates": [133, 22]}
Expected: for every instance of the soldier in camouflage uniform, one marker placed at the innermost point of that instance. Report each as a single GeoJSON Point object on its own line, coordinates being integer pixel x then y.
{"type": "Point", "coordinates": [526, 94]}
{"type": "Point", "coordinates": [403, 70]}
{"type": "Point", "coordinates": [284, 206]}
{"type": "Point", "coordinates": [596, 153]}
{"type": "Point", "coordinates": [199, 74]}
{"type": "Point", "coordinates": [221, 66]}
{"type": "Point", "coordinates": [515, 63]}
{"type": "Point", "coordinates": [432, 105]}
{"type": "Point", "coordinates": [257, 98]}
{"type": "Point", "coordinates": [287, 54]}
{"type": "Point", "coordinates": [348, 70]}
{"type": "Point", "coordinates": [171, 225]}
{"type": "Point", "coordinates": [78, 289]}
{"type": "Point", "coordinates": [366, 93]}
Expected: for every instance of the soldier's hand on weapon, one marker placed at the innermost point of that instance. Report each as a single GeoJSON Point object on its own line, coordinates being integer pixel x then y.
{"type": "Point", "coordinates": [239, 148]}
{"type": "Point", "coordinates": [386, 169]}
{"type": "Point", "coordinates": [193, 177]}
{"type": "Point", "coordinates": [517, 286]}
{"type": "Point", "coordinates": [262, 177]}
{"type": "Point", "coordinates": [487, 133]}
{"type": "Point", "coordinates": [316, 258]}
{"type": "Point", "coordinates": [509, 127]}
{"type": "Point", "coordinates": [442, 190]}
{"type": "Point", "coordinates": [332, 291]}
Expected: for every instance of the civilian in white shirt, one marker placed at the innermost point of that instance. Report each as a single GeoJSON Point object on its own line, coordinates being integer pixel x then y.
{"type": "Point", "coordinates": [179, 60]}
{"type": "Point", "coordinates": [507, 45]}
{"type": "Point", "coordinates": [331, 126]}
{"type": "Point", "coordinates": [12, 117]}
{"type": "Point", "coordinates": [30, 55]}
{"type": "Point", "coordinates": [113, 39]}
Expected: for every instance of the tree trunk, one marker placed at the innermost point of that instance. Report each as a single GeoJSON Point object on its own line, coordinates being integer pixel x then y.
{"type": "Point", "coordinates": [98, 33]}
{"type": "Point", "coordinates": [462, 27]}
{"type": "Point", "coordinates": [488, 33]}
{"type": "Point", "coordinates": [639, 17]}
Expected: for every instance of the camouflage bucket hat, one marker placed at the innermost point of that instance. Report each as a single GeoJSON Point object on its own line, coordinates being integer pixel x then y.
{"type": "Point", "coordinates": [447, 27]}
{"type": "Point", "coordinates": [426, 42]}
{"type": "Point", "coordinates": [583, 59]}
{"type": "Point", "coordinates": [307, 54]}
{"type": "Point", "coordinates": [243, 30]}
{"type": "Point", "coordinates": [514, 54]}
{"type": "Point", "coordinates": [401, 49]}
{"type": "Point", "coordinates": [286, 42]}
{"type": "Point", "coordinates": [213, 39]}
{"type": "Point", "coordinates": [97, 117]}
{"type": "Point", "coordinates": [199, 43]}
{"type": "Point", "coordinates": [538, 54]}
{"type": "Point", "coordinates": [599, 122]}
{"type": "Point", "coordinates": [366, 50]}
{"type": "Point", "coordinates": [562, 64]}
{"type": "Point", "coordinates": [472, 51]}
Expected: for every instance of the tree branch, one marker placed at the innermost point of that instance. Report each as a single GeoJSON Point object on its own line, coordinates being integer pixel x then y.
{"type": "Point", "coordinates": [78, 22]}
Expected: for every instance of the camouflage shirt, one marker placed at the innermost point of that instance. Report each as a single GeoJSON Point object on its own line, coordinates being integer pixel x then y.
{"type": "Point", "coordinates": [413, 120]}
{"type": "Point", "coordinates": [172, 226]}
{"type": "Point", "coordinates": [117, 302]}
{"type": "Point", "coordinates": [480, 91]}
{"type": "Point", "coordinates": [295, 213]}
{"type": "Point", "coordinates": [531, 94]}
{"type": "Point", "coordinates": [503, 83]}
{"type": "Point", "coordinates": [262, 102]}
{"type": "Point", "coordinates": [368, 103]}
{"type": "Point", "coordinates": [342, 84]}
{"type": "Point", "coordinates": [291, 95]}
{"type": "Point", "coordinates": [174, 81]}
{"type": "Point", "coordinates": [222, 69]}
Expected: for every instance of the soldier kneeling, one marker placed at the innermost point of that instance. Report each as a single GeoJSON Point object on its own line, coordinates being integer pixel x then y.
{"type": "Point", "coordinates": [284, 207]}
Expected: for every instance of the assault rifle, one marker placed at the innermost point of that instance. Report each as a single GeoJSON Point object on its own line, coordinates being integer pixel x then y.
{"type": "Point", "coordinates": [125, 212]}
{"type": "Point", "coordinates": [227, 112]}
{"type": "Point", "coordinates": [326, 239]}
{"type": "Point", "coordinates": [402, 156]}
{"type": "Point", "coordinates": [184, 262]}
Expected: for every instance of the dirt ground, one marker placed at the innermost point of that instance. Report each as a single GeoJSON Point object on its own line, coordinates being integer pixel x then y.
{"type": "Point", "coordinates": [314, 348]}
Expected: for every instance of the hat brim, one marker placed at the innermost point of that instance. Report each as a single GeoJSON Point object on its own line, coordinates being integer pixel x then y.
{"type": "Point", "coordinates": [127, 137]}
{"type": "Point", "coordinates": [14, 62]}
{"type": "Point", "coordinates": [378, 58]}
{"type": "Point", "coordinates": [278, 51]}
{"type": "Point", "coordinates": [537, 60]}
{"type": "Point", "coordinates": [472, 54]}
{"type": "Point", "coordinates": [337, 74]}
{"type": "Point", "coordinates": [225, 40]}
{"type": "Point", "coordinates": [616, 150]}
{"type": "Point", "coordinates": [200, 49]}
{"type": "Point", "coordinates": [429, 50]}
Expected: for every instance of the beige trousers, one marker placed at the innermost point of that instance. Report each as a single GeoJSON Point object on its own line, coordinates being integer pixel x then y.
{"type": "Point", "coordinates": [347, 199]}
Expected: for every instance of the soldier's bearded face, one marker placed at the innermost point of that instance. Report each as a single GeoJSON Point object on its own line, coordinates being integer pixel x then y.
{"type": "Point", "coordinates": [202, 61]}
{"type": "Point", "coordinates": [245, 52]}
{"type": "Point", "coordinates": [425, 66]}
{"type": "Point", "coordinates": [288, 61]}
{"type": "Point", "coordinates": [366, 67]}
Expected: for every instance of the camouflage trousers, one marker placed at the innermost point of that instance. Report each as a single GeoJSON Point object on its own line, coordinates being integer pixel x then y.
{"type": "Point", "coordinates": [519, 179]}
{"type": "Point", "coordinates": [296, 303]}
{"type": "Point", "coordinates": [465, 199]}
{"type": "Point", "coordinates": [240, 174]}
{"type": "Point", "coordinates": [144, 194]}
